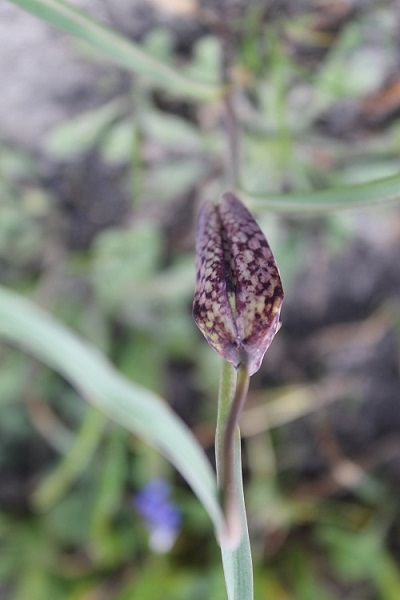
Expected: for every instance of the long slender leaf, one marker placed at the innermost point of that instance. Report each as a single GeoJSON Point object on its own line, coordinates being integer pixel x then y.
{"type": "Point", "coordinates": [117, 47]}
{"type": "Point", "coordinates": [56, 484]}
{"type": "Point", "coordinates": [375, 193]}
{"type": "Point", "coordinates": [24, 324]}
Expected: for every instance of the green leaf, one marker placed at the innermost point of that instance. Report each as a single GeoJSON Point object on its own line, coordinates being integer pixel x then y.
{"type": "Point", "coordinates": [124, 259]}
{"type": "Point", "coordinates": [56, 484]}
{"type": "Point", "coordinates": [81, 133]}
{"type": "Point", "coordinates": [374, 193]}
{"type": "Point", "coordinates": [117, 47]}
{"type": "Point", "coordinates": [137, 409]}
{"type": "Point", "coordinates": [108, 500]}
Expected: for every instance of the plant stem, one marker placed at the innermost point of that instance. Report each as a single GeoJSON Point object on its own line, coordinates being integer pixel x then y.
{"type": "Point", "coordinates": [230, 408]}
{"type": "Point", "coordinates": [229, 114]}
{"type": "Point", "coordinates": [234, 538]}
{"type": "Point", "coordinates": [235, 543]}
{"type": "Point", "coordinates": [226, 393]}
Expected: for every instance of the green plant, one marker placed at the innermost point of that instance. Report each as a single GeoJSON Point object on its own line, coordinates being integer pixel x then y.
{"type": "Point", "coordinates": [131, 405]}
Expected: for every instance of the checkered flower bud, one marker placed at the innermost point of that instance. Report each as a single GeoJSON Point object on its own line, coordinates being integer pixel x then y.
{"type": "Point", "coordinates": [238, 293]}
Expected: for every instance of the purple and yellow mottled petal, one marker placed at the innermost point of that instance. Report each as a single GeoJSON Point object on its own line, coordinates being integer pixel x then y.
{"type": "Point", "coordinates": [259, 293]}
{"type": "Point", "coordinates": [211, 308]}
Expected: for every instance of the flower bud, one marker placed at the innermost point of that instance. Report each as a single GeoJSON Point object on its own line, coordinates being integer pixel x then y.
{"type": "Point", "coordinates": [238, 293]}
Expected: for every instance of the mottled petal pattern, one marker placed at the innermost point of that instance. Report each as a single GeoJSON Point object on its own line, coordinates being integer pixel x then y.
{"type": "Point", "coordinates": [211, 309]}
{"type": "Point", "coordinates": [238, 293]}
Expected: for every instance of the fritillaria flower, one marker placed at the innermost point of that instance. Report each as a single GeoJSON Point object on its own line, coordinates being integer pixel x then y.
{"type": "Point", "coordinates": [238, 294]}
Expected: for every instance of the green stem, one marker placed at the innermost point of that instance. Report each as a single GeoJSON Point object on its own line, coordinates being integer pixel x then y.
{"type": "Point", "coordinates": [235, 543]}
{"type": "Point", "coordinates": [228, 472]}
{"type": "Point", "coordinates": [231, 155]}
{"type": "Point", "coordinates": [230, 405]}
{"type": "Point", "coordinates": [226, 393]}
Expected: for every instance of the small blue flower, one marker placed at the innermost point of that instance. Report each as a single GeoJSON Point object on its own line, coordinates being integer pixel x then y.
{"type": "Point", "coordinates": [153, 503]}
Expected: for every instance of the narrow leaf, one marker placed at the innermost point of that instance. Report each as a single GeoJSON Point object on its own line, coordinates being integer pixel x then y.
{"type": "Point", "coordinates": [117, 47]}
{"type": "Point", "coordinates": [56, 484]}
{"type": "Point", "coordinates": [374, 193]}
{"type": "Point", "coordinates": [134, 407]}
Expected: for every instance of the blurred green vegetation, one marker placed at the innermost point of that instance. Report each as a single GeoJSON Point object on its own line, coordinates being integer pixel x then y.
{"type": "Point", "coordinates": [68, 528]}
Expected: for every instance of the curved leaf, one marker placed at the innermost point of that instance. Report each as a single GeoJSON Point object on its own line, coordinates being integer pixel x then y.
{"type": "Point", "coordinates": [116, 46]}
{"type": "Point", "coordinates": [375, 193]}
{"type": "Point", "coordinates": [27, 326]}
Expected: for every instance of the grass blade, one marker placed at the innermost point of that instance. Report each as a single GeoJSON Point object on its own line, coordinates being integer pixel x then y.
{"type": "Point", "coordinates": [117, 47]}
{"type": "Point", "coordinates": [55, 485]}
{"type": "Point", "coordinates": [137, 409]}
{"type": "Point", "coordinates": [375, 193]}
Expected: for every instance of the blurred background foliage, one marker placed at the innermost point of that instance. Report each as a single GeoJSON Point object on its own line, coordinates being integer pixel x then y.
{"type": "Point", "coordinates": [97, 225]}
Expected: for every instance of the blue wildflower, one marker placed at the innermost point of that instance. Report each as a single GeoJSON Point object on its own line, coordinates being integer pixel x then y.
{"type": "Point", "coordinates": [153, 503]}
